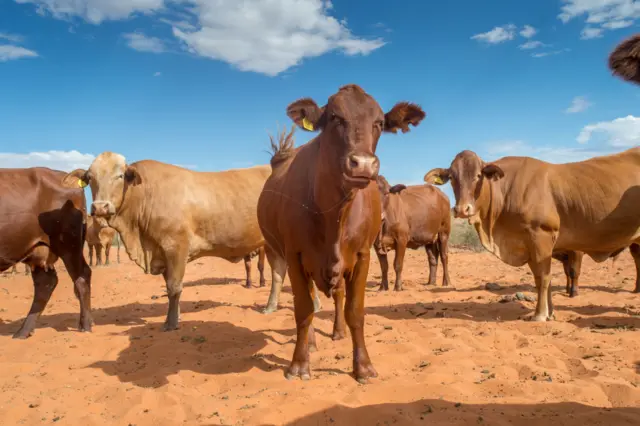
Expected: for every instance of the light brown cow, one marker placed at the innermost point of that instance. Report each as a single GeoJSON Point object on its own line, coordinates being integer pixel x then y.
{"type": "Point", "coordinates": [168, 216]}
{"type": "Point", "coordinates": [320, 213]}
{"type": "Point", "coordinates": [41, 222]}
{"type": "Point", "coordinates": [247, 265]}
{"type": "Point", "coordinates": [413, 217]}
{"type": "Point", "coordinates": [524, 209]}
{"type": "Point", "coordinates": [100, 236]}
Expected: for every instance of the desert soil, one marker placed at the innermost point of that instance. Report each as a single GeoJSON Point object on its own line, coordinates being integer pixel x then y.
{"type": "Point", "coordinates": [454, 356]}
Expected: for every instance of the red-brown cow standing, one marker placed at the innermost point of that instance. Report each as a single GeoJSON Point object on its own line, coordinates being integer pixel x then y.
{"type": "Point", "coordinates": [41, 221]}
{"type": "Point", "coordinates": [319, 212]}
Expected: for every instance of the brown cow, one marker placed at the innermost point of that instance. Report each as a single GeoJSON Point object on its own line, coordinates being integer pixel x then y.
{"type": "Point", "coordinates": [42, 221]}
{"type": "Point", "coordinates": [320, 212]}
{"type": "Point", "coordinates": [624, 60]}
{"type": "Point", "coordinates": [247, 265]}
{"type": "Point", "coordinates": [168, 216]}
{"type": "Point", "coordinates": [524, 209]}
{"type": "Point", "coordinates": [413, 217]}
{"type": "Point", "coordinates": [100, 236]}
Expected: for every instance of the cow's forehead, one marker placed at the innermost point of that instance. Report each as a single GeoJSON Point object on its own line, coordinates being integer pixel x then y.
{"type": "Point", "coordinates": [466, 160]}
{"type": "Point", "coordinates": [351, 99]}
{"type": "Point", "coordinates": [108, 162]}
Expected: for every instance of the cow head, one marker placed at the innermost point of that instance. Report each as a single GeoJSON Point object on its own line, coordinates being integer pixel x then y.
{"type": "Point", "coordinates": [351, 123]}
{"type": "Point", "coordinates": [467, 174]}
{"type": "Point", "coordinates": [109, 176]}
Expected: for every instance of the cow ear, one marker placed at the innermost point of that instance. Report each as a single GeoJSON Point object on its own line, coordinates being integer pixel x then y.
{"type": "Point", "coordinates": [306, 114]}
{"type": "Point", "coordinates": [401, 115]}
{"type": "Point", "coordinates": [437, 176]}
{"type": "Point", "coordinates": [76, 179]}
{"type": "Point", "coordinates": [492, 171]}
{"type": "Point", "coordinates": [395, 189]}
{"type": "Point", "coordinates": [132, 176]}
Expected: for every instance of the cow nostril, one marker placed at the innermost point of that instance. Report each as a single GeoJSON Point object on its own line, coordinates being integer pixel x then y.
{"type": "Point", "coordinates": [353, 162]}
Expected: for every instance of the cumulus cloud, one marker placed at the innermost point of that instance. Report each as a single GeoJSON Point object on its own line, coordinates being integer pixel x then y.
{"type": "Point", "coordinates": [9, 53]}
{"type": "Point", "coordinates": [578, 104]}
{"type": "Point", "coordinates": [528, 31]}
{"type": "Point", "coordinates": [12, 38]}
{"type": "Point", "coordinates": [143, 43]}
{"type": "Point", "coordinates": [95, 11]}
{"type": "Point", "coordinates": [58, 160]}
{"type": "Point", "coordinates": [531, 45]}
{"type": "Point", "coordinates": [551, 154]}
{"type": "Point", "coordinates": [549, 53]}
{"type": "Point", "coordinates": [622, 132]}
{"type": "Point", "coordinates": [497, 34]}
{"type": "Point", "coordinates": [600, 15]}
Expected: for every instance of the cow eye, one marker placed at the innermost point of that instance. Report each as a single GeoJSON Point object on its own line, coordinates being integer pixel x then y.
{"type": "Point", "coordinates": [379, 123]}
{"type": "Point", "coordinates": [120, 176]}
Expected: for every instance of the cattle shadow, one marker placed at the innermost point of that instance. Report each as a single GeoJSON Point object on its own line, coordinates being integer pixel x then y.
{"type": "Point", "coordinates": [214, 281]}
{"type": "Point", "coordinates": [123, 315]}
{"type": "Point", "coordinates": [204, 347]}
{"type": "Point", "coordinates": [442, 412]}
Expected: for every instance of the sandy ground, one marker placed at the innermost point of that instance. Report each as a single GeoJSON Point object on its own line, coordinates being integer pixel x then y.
{"type": "Point", "coordinates": [444, 356]}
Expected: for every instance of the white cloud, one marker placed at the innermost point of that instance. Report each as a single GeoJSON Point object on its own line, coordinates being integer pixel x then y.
{"type": "Point", "coordinates": [58, 160]}
{"type": "Point", "coordinates": [143, 43]}
{"type": "Point", "coordinates": [95, 11]}
{"type": "Point", "coordinates": [9, 53]}
{"type": "Point", "coordinates": [13, 38]}
{"type": "Point", "coordinates": [183, 25]}
{"type": "Point", "coordinates": [528, 31]}
{"type": "Point", "coordinates": [591, 32]}
{"type": "Point", "coordinates": [272, 36]}
{"type": "Point", "coordinates": [578, 104]}
{"type": "Point", "coordinates": [549, 53]}
{"type": "Point", "coordinates": [600, 15]}
{"type": "Point", "coordinates": [551, 154]}
{"type": "Point", "coordinates": [497, 34]}
{"type": "Point", "coordinates": [531, 45]}
{"type": "Point", "coordinates": [621, 132]}
{"type": "Point", "coordinates": [157, 74]}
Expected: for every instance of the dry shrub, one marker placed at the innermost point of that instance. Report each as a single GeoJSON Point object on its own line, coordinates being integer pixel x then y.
{"type": "Point", "coordinates": [464, 236]}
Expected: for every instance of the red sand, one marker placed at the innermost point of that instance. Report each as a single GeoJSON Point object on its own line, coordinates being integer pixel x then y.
{"type": "Point", "coordinates": [444, 356]}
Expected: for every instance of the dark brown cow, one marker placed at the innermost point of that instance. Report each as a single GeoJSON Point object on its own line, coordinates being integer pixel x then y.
{"type": "Point", "coordinates": [247, 265]}
{"type": "Point", "coordinates": [624, 60]}
{"type": "Point", "coordinates": [40, 221]}
{"type": "Point", "coordinates": [413, 217]}
{"type": "Point", "coordinates": [168, 216]}
{"type": "Point", "coordinates": [524, 209]}
{"type": "Point", "coordinates": [320, 212]}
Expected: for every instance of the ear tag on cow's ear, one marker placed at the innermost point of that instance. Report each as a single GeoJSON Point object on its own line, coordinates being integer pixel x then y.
{"type": "Point", "coordinates": [81, 183]}
{"type": "Point", "coordinates": [307, 124]}
{"type": "Point", "coordinates": [438, 180]}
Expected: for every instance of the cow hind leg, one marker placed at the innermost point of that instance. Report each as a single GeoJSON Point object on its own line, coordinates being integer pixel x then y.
{"type": "Point", "coordinates": [635, 252]}
{"type": "Point", "coordinates": [247, 267]}
{"type": "Point", "coordinates": [98, 249]}
{"type": "Point", "coordinates": [90, 255]}
{"type": "Point", "coordinates": [339, 324]}
{"type": "Point", "coordinates": [107, 249]}
{"type": "Point", "coordinates": [80, 274]}
{"type": "Point", "coordinates": [576, 267]}
{"type": "Point", "coordinates": [173, 275]}
{"type": "Point", "coordinates": [303, 312]}
{"type": "Point", "coordinates": [432, 257]}
{"type": "Point", "coordinates": [44, 282]}
{"type": "Point", "coordinates": [278, 273]}
{"type": "Point", "coordinates": [261, 255]}
{"type": "Point", "coordinates": [443, 242]}
{"type": "Point", "coordinates": [384, 271]}
{"type": "Point", "coordinates": [398, 261]}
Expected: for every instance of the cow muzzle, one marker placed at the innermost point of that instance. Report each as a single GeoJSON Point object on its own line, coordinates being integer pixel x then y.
{"type": "Point", "coordinates": [360, 169]}
{"type": "Point", "coordinates": [102, 209]}
{"type": "Point", "coordinates": [464, 211]}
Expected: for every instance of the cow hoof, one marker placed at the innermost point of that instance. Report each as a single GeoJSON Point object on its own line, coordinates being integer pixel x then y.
{"type": "Point", "coordinates": [365, 372]}
{"type": "Point", "coordinates": [313, 348]}
{"type": "Point", "coordinates": [298, 369]}
{"type": "Point", "coordinates": [263, 284]}
{"type": "Point", "coordinates": [269, 310]}
{"type": "Point", "coordinates": [537, 318]}
{"type": "Point", "coordinates": [396, 288]}
{"type": "Point", "coordinates": [169, 327]}
{"type": "Point", "coordinates": [637, 290]}
{"type": "Point", "coordinates": [247, 285]}
{"type": "Point", "coordinates": [22, 335]}
{"type": "Point", "coordinates": [381, 288]}
{"type": "Point", "coordinates": [85, 328]}
{"type": "Point", "coordinates": [338, 335]}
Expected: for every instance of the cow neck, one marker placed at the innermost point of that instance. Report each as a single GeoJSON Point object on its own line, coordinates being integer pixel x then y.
{"type": "Point", "coordinates": [489, 204]}
{"type": "Point", "coordinates": [126, 222]}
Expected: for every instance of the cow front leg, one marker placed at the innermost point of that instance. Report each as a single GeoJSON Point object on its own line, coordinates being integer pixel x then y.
{"type": "Point", "coordinates": [247, 268]}
{"type": "Point", "coordinates": [173, 275]}
{"type": "Point", "coordinates": [542, 273]}
{"type": "Point", "coordinates": [278, 272]}
{"type": "Point", "coordinates": [98, 248]}
{"type": "Point", "coordinates": [398, 262]}
{"type": "Point", "coordinates": [303, 312]}
{"type": "Point", "coordinates": [444, 255]}
{"type": "Point", "coordinates": [339, 323]}
{"type": "Point", "coordinates": [384, 271]}
{"type": "Point", "coordinates": [635, 252]}
{"type": "Point", "coordinates": [354, 312]}
{"type": "Point", "coordinates": [90, 255]}
{"type": "Point", "coordinates": [44, 282]}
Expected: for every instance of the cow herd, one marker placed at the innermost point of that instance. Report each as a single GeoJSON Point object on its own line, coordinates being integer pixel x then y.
{"type": "Point", "coordinates": [316, 211]}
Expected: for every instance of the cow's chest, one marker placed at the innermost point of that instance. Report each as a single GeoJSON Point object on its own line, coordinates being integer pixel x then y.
{"type": "Point", "coordinates": [506, 244]}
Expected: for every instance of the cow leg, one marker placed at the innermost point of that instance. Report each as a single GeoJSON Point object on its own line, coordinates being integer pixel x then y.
{"type": "Point", "coordinates": [567, 272]}
{"type": "Point", "coordinates": [444, 255]}
{"type": "Point", "coordinates": [398, 261]}
{"type": "Point", "coordinates": [354, 312]}
{"type": "Point", "coordinates": [432, 256]}
{"type": "Point", "coordinates": [576, 266]}
{"type": "Point", "coordinates": [542, 273]}
{"type": "Point", "coordinates": [27, 269]}
{"type": "Point", "coordinates": [98, 249]}
{"type": "Point", "coordinates": [635, 252]}
{"type": "Point", "coordinates": [278, 272]}
{"type": "Point", "coordinates": [173, 275]}
{"type": "Point", "coordinates": [44, 282]}
{"type": "Point", "coordinates": [247, 267]}
{"type": "Point", "coordinates": [261, 267]}
{"type": "Point", "coordinates": [118, 251]}
{"type": "Point", "coordinates": [384, 271]}
{"type": "Point", "coordinates": [107, 249]}
{"type": "Point", "coordinates": [14, 270]}
{"type": "Point", "coordinates": [90, 255]}
{"type": "Point", "coordinates": [80, 274]}
{"type": "Point", "coordinates": [339, 325]}
{"type": "Point", "coordinates": [303, 312]}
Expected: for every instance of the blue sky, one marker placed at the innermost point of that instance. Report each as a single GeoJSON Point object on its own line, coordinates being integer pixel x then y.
{"type": "Point", "coordinates": [200, 83]}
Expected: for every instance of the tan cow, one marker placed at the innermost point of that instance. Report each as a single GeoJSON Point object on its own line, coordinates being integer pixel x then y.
{"type": "Point", "coordinates": [247, 265]}
{"type": "Point", "coordinates": [524, 209]}
{"type": "Point", "coordinates": [100, 236]}
{"type": "Point", "coordinates": [168, 216]}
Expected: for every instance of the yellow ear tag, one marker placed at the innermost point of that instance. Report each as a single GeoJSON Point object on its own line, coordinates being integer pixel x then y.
{"type": "Point", "coordinates": [81, 183]}
{"type": "Point", "coordinates": [307, 124]}
{"type": "Point", "coordinates": [438, 180]}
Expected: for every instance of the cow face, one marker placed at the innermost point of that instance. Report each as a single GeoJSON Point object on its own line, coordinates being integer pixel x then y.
{"type": "Point", "coordinates": [352, 122]}
{"type": "Point", "coordinates": [109, 176]}
{"type": "Point", "coordinates": [467, 174]}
